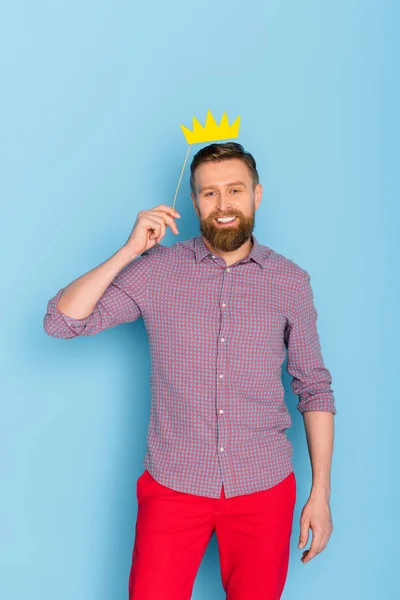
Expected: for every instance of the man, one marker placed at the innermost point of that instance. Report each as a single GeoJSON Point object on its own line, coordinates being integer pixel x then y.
{"type": "Point", "coordinates": [222, 311]}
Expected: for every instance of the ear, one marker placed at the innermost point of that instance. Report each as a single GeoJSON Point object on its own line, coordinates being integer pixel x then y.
{"type": "Point", "coordinates": [258, 194]}
{"type": "Point", "coordinates": [193, 197]}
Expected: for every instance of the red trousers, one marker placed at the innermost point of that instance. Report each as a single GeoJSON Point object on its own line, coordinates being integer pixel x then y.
{"type": "Point", "coordinates": [174, 528]}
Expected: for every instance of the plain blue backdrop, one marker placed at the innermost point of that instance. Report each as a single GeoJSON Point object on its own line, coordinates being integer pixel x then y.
{"type": "Point", "coordinates": [92, 98]}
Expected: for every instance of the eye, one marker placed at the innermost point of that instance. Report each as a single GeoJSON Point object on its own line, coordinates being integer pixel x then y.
{"type": "Point", "coordinates": [208, 193]}
{"type": "Point", "coordinates": [235, 190]}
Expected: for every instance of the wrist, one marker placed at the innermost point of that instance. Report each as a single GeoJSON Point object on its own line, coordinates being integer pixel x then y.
{"type": "Point", "coordinates": [321, 488]}
{"type": "Point", "coordinates": [128, 254]}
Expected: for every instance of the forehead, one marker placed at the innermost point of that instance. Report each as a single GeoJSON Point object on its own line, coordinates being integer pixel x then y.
{"type": "Point", "coordinates": [221, 173]}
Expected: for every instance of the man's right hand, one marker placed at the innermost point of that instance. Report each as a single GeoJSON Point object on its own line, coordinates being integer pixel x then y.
{"type": "Point", "coordinates": [150, 228]}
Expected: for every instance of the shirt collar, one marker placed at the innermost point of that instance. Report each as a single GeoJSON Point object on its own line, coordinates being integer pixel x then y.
{"type": "Point", "coordinates": [256, 251]}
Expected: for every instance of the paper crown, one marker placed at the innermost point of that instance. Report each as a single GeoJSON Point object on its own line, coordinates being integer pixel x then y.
{"type": "Point", "coordinates": [211, 132]}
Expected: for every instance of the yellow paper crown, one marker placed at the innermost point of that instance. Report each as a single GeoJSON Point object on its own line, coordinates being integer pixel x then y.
{"type": "Point", "coordinates": [211, 132]}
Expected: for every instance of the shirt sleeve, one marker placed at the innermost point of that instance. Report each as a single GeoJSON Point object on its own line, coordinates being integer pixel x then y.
{"type": "Point", "coordinates": [122, 302]}
{"type": "Point", "coordinates": [311, 379]}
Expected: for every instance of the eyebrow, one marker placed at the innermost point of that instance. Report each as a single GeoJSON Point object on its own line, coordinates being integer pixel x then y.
{"type": "Point", "coordinates": [208, 187]}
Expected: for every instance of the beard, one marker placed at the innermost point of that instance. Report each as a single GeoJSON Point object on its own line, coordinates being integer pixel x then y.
{"type": "Point", "coordinates": [228, 238]}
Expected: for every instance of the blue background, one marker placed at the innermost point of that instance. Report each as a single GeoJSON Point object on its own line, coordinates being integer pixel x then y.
{"type": "Point", "coordinates": [93, 94]}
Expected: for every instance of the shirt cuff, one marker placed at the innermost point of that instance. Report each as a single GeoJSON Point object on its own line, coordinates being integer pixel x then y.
{"type": "Point", "coordinates": [53, 310]}
{"type": "Point", "coordinates": [323, 402]}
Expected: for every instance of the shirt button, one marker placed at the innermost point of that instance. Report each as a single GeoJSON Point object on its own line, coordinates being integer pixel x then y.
{"type": "Point", "coordinates": [220, 375]}
{"type": "Point", "coordinates": [223, 304]}
{"type": "Point", "coordinates": [221, 412]}
{"type": "Point", "coordinates": [228, 269]}
{"type": "Point", "coordinates": [221, 449]}
{"type": "Point", "coordinates": [213, 255]}
{"type": "Point", "coordinates": [222, 339]}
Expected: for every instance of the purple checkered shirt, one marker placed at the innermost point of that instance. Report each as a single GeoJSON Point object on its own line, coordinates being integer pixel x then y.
{"type": "Point", "coordinates": [218, 338]}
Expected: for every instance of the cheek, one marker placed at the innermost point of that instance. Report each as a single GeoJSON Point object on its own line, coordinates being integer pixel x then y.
{"type": "Point", "coordinates": [206, 214]}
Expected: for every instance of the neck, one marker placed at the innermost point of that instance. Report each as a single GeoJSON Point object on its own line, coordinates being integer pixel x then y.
{"type": "Point", "coordinates": [233, 256]}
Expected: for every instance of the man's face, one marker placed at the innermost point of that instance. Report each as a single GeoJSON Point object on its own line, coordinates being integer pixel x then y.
{"type": "Point", "coordinates": [225, 189]}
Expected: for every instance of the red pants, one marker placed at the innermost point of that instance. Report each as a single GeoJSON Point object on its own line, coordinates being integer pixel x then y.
{"type": "Point", "coordinates": [173, 530]}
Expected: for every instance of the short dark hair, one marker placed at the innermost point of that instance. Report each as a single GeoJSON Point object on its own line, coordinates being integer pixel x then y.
{"type": "Point", "coordinates": [225, 151]}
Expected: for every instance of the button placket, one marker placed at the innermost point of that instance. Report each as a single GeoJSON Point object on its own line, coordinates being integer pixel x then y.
{"type": "Point", "coordinates": [222, 360]}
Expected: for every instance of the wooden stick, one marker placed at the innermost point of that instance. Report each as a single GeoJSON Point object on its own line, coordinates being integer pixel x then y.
{"type": "Point", "coordinates": [179, 182]}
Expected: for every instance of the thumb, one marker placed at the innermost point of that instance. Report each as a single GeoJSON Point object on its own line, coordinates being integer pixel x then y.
{"type": "Point", "coordinates": [304, 529]}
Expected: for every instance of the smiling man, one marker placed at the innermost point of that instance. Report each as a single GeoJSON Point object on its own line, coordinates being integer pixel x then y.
{"type": "Point", "coordinates": [222, 312]}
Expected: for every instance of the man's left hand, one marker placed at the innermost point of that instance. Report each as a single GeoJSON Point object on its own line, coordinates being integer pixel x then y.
{"type": "Point", "coordinates": [316, 514]}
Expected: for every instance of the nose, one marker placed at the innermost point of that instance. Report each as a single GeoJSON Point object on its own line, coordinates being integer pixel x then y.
{"type": "Point", "coordinates": [223, 203]}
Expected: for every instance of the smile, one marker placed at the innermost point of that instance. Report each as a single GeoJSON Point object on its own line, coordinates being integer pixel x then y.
{"type": "Point", "coordinates": [225, 219]}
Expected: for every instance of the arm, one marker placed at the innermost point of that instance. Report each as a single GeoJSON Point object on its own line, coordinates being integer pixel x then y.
{"type": "Point", "coordinates": [316, 513]}
{"type": "Point", "coordinates": [311, 379]}
{"type": "Point", "coordinates": [312, 382]}
{"type": "Point", "coordinates": [106, 296]}
{"type": "Point", "coordinates": [320, 433]}
{"type": "Point", "coordinates": [113, 292]}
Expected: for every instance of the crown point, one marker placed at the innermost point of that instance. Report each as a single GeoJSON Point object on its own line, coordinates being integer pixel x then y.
{"type": "Point", "coordinates": [211, 131]}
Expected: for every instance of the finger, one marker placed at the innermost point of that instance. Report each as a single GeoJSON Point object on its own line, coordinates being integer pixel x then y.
{"type": "Point", "coordinates": [169, 209]}
{"type": "Point", "coordinates": [158, 226]}
{"type": "Point", "coordinates": [167, 219]}
{"type": "Point", "coordinates": [324, 543]}
{"type": "Point", "coordinates": [304, 532]}
{"type": "Point", "coordinates": [162, 222]}
{"type": "Point", "coordinates": [315, 547]}
{"type": "Point", "coordinates": [163, 215]}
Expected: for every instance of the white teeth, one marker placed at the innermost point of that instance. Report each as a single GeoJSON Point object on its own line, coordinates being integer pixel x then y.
{"type": "Point", "coordinates": [226, 219]}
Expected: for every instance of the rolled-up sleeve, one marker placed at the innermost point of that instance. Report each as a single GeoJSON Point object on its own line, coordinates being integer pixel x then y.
{"type": "Point", "coordinates": [121, 302]}
{"type": "Point", "coordinates": [311, 379]}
